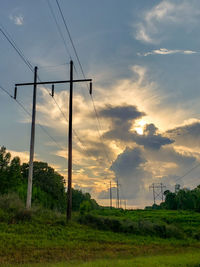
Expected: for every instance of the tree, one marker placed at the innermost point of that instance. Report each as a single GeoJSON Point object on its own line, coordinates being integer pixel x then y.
{"type": "Point", "coordinates": [49, 182]}
{"type": "Point", "coordinates": [170, 200]}
{"type": "Point", "coordinates": [4, 167]}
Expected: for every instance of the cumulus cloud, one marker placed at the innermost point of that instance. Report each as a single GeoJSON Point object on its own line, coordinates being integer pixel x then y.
{"type": "Point", "coordinates": [17, 19]}
{"type": "Point", "coordinates": [164, 51]}
{"type": "Point", "coordinates": [128, 169]}
{"type": "Point", "coordinates": [122, 120]}
{"type": "Point", "coordinates": [164, 16]}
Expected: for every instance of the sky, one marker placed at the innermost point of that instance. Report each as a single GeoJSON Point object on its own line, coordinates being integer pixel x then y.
{"type": "Point", "coordinates": [143, 57]}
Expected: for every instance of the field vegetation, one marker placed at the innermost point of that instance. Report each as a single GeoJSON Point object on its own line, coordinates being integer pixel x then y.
{"type": "Point", "coordinates": [96, 236]}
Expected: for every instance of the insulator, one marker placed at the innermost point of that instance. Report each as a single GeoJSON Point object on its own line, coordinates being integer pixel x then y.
{"type": "Point", "coordinates": [90, 88]}
{"type": "Point", "coordinates": [52, 90]}
{"type": "Point", "coordinates": [15, 93]}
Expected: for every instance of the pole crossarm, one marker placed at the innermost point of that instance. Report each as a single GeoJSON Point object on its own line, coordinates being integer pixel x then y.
{"type": "Point", "coordinates": [53, 82]}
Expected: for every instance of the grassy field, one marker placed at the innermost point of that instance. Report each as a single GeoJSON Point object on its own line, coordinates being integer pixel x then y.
{"type": "Point", "coordinates": [189, 259]}
{"type": "Point", "coordinates": [42, 236]}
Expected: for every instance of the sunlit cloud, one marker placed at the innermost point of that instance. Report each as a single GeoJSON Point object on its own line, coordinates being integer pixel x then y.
{"type": "Point", "coordinates": [17, 19]}
{"type": "Point", "coordinates": [163, 17]}
{"type": "Point", "coordinates": [164, 51]}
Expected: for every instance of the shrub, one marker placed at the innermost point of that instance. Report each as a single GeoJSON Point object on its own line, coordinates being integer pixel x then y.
{"type": "Point", "coordinates": [129, 226]}
{"type": "Point", "coordinates": [11, 203]}
{"type": "Point", "coordinates": [22, 216]}
{"type": "Point", "coordinates": [85, 207]}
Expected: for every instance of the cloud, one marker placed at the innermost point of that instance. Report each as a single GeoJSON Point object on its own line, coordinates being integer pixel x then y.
{"type": "Point", "coordinates": [122, 120]}
{"type": "Point", "coordinates": [23, 155]}
{"type": "Point", "coordinates": [128, 169]}
{"type": "Point", "coordinates": [163, 17]}
{"type": "Point", "coordinates": [126, 112]}
{"type": "Point", "coordinates": [164, 51]}
{"type": "Point", "coordinates": [186, 135]}
{"type": "Point", "coordinates": [151, 139]}
{"type": "Point", "coordinates": [17, 19]}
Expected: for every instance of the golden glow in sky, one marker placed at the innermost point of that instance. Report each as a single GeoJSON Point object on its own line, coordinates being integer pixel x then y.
{"type": "Point", "coordinates": [140, 125]}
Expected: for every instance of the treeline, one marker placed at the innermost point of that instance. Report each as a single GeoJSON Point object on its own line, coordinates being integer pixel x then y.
{"type": "Point", "coordinates": [184, 199]}
{"type": "Point", "coordinates": [48, 185]}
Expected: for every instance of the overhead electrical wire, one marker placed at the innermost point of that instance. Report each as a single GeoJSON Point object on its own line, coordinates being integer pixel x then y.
{"type": "Point", "coordinates": [83, 74]}
{"type": "Point", "coordinates": [29, 65]}
{"type": "Point", "coordinates": [58, 28]}
{"type": "Point", "coordinates": [29, 114]}
{"type": "Point", "coordinates": [188, 172]}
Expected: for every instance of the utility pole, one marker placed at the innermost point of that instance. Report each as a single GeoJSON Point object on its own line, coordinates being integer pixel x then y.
{"type": "Point", "coordinates": [125, 204]}
{"type": "Point", "coordinates": [32, 144]}
{"type": "Point", "coordinates": [71, 82]}
{"type": "Point", "coordinates": [32, 141]}
{"type": "Point", "coordinates": [117, 194]}
{"type": "Point", "coordinates": [161, 188]}
{"type": "Point", "coordinates": [69, 192]}
{"type": "Point", "coordinates": [110, 195]}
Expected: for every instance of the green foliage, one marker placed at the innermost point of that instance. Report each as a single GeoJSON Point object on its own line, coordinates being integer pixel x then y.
{"type": "Point", "coordinates": [85, 207]}
{"type": "Point", "coordinates": [10, 174]}
{"type": "Point", "coordinates": [140, 227]}
{"type": "Point", "coordinates": [184, 199]}
{"type": "Point", "coordinates": [79, 198]}
{"type": "Point", "coordinates": [48, 185]}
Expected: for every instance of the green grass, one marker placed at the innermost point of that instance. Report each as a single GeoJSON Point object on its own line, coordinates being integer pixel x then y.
{"type": "Point", "coordinates": [43, 237]}
{"type": "Point", "coordinates": [191, 259]}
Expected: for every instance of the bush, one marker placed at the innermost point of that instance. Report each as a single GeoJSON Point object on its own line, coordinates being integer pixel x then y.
{"type": "Point", "coordinates": [132, 227]}
{"type": "Point", "coordinates": [85, 207]}
{"type": "Point", "coordinates": [22, 216]}
{"type": "Point", "coordinates": [11, 203]}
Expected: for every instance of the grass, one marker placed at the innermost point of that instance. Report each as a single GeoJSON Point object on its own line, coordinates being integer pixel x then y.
{"type": "Point", "coordinates": [42, 236]}
{"type": "Point", "coordinates": [190, 259]}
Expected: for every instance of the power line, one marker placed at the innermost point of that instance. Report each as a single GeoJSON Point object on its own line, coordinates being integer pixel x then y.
{"type": "Point", "coordinates": [81, 67]}
{"type": "Point", "coordinates": [13, 44]}
{"type": "Point", "coordinates": [70, 37]}
{"type": "Point", "coordinates": [58, 28]}
{"type": "Point", "coordinates": [26, 61]}
{"type": "Point", "coordinates": [29, 114]}
{"type": "Point", "coordinates": [5, 91]}
{"type": "Point", "coordinates": [188, 172]}
{"type": "Point", "coordinates": [19, 52]}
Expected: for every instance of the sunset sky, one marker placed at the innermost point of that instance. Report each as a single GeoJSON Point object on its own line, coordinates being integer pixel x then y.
{"type": "Point", "coordinates": [144, 59]}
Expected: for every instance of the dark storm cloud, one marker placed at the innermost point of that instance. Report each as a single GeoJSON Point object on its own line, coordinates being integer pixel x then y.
{"type": "Point", "coordinates": [187, 135]}
{"type": "Point", "coordinates": [122, 119]}
{"type": "Point", "coordinates": [126, 112]}
{"type": "Point", "coordinates": [151, 139]}
{"type": "Point", "coordinates": [129, 170]}
{"type": "Point", "coordinates": [127, 162]}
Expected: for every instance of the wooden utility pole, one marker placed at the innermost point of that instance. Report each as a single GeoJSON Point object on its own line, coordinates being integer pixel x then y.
{"type": "Point", "coordinates": [32, 140]}
{"type": "Point", "coordinates": [69, 191]}
{"type": "Point", "coordinates": [71, 82]}
{"type": "Point", "coordinates": [32, 144]}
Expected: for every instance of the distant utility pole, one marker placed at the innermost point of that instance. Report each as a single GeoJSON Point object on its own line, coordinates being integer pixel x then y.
{"type": "Point", "coordinates": [71, 82]}
{"type": "Point", "coordinates": [158, 193]}
{"type": "Point", "coordinates": [177, 188]}
{"type": "Point", "coordinates": [117, 194]}
{"type": "Point", "coordinates": [125, 204]}
{"type": "Point", "coordinates": [110, 195]}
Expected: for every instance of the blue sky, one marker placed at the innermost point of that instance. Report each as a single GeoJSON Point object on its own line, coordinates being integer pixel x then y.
{"type": "Point", "coordinates": [144, 59]}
